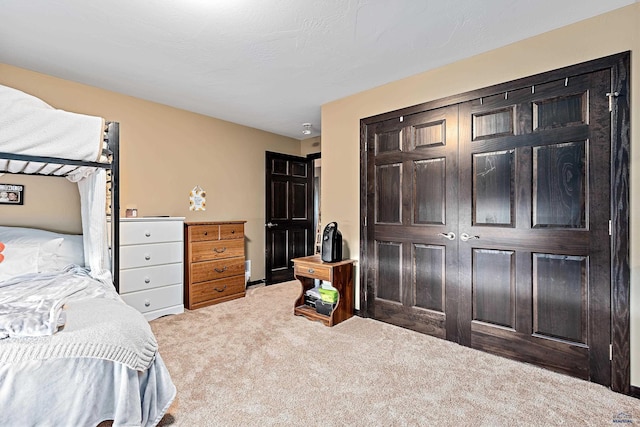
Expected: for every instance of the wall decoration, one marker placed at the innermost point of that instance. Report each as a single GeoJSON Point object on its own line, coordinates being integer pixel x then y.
{"type": "Point", "coordinates": [11, 194]}
{"type": "Point", "coordinates": [197, 199]}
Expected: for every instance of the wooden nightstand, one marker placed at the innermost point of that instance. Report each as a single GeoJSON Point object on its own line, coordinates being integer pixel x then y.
{"type": "Point", "coordinates": [340, 274]}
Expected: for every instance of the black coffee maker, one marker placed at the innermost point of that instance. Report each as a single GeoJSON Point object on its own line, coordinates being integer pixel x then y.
{"type": "Point", "coordinates": [331, 243]}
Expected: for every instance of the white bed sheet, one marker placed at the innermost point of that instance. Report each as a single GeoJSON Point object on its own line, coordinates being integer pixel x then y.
{"type": "Point", "coordinates": [83, 392]}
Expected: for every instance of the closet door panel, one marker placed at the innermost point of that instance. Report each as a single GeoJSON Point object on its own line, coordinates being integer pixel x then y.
{"type": "Point", "coordinates": [388, 193]}
{"type": "Point", "coordinates": [429, 195]}
{"type": "Point", "coordinates": [535, 227]}
{"type": "Point", "coordinates": [559, 185]}
{"type": "Point", "coordinates": [493, 192]}
{"type": "Point", "coordinates": [494, 287]}
{"type": "Point", "coordinates": [414, 206]}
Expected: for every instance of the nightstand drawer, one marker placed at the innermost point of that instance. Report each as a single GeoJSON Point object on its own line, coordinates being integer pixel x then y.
{"type": "Point", "coordinates": [199, 233]}
{"type": "Point", "coordinates": [136, 233]}
{"type": "Point", "coordinates": [211, 270]}
{"type": "Point", "coordinates": [314, 272]}
{"type": "Point", "coordinates": [154, 299]}
{"type": "Point", "coordinates": [217, 249]}
{"type": "Point", "coordinates": [217, 289]}
{"type": "Point", "coordinates": [138, 279]}
{"type": "Point", "coordinates": [147, 255]}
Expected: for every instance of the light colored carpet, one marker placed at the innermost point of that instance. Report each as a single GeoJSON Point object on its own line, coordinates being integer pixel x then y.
{"type": "Point", "coordinates": [251, 362]}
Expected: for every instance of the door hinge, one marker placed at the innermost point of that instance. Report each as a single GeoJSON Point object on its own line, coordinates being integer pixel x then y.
{"type": "Point", "coordinates": [365, 221]}
{"type": "Point", "coordinates": [610, 351]}
{"type": "Point", "coordinates": [366, 146]}
{"type": "Point", "coordinates": [609, 227]}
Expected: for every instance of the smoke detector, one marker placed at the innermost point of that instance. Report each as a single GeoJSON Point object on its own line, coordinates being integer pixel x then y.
{"type": "Point", "coordinates": [306, 128]}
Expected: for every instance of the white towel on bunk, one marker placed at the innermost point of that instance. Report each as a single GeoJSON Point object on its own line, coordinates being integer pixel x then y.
{"type": "Point", "coordinates": [30, 126]}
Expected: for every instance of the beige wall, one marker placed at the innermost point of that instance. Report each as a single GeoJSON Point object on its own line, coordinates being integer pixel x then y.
{"type": "Point", "coordinates": [165, 152]}
{"type": "Point", "coordinates": [310, 145]}
{"type": "Point", "coordinates": [604, 35]}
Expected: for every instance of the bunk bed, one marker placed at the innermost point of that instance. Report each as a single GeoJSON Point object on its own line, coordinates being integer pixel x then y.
{"type": "Point", "coordinates": [71, 351]}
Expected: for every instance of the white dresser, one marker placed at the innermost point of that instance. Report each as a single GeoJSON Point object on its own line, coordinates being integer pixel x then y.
{"type": "Point", "coordinates": [151, 265]}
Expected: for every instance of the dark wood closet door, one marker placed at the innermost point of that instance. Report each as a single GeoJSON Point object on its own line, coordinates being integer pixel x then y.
{"type": "Point", "coordinates": [534, 225]}
{"type": "Point", "coordinates": [289, 229]}
{"type": "Point", "coordinates": [412, 171]}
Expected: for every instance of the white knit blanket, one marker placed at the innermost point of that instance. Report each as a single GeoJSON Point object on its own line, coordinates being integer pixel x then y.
{"type": "Point", "coordinates": [98, 323]}
{"type": "Point", "coordinates": [30, 126]}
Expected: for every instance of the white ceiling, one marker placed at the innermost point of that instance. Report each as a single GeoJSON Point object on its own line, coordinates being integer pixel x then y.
{"type": "Point", "coordinates": [268, 64]}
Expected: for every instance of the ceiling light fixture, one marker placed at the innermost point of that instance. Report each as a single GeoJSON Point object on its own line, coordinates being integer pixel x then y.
{"type": "Point", "coordinates": [306, 128]}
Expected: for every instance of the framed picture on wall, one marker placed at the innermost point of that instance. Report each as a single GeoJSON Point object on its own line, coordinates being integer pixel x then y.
{"type": "Point", "coordinates": [11, 194]}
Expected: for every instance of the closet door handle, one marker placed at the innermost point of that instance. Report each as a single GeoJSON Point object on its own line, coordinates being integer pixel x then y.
{"type": "Point", "coordinates": [449, 236]}
{"type": "Point", "coordinates": [219, 251]}
{"type": "Point", "coordinates": [220, 271]}
{"type": "Point", "coordinates": [464, 237]}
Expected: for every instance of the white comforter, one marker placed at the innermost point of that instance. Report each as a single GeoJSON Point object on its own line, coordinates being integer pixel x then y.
{"type": "Point", "coordinates": [30, 126]}
{"type": "Point", "coordinates": [102, 364]}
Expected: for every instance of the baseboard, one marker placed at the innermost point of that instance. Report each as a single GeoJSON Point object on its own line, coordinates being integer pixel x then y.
{"type": "Point", "coordinates": [634, 392]}
{"type": "Point", "coordinates": [255, 282]}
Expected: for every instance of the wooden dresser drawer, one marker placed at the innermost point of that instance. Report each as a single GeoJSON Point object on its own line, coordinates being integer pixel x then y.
{"type": "Point", "coordinates": [138, 279]}
{"type": "Point", "coordinates": [147, 255]}
{"type": "Point", "coordinates": [154, 299]}
{"type": "Point", "coordinates": [211, 270]}
{"type": "Point", "coordinates": [314, 272]}
{"type": "Point", "coordinates": [143, 232]}
{"type": "Point", "coordinates": [207, 293]}
{"type": "Point", "coordinates": [199, 233]}
{"type": "Point", "coordinates": [231, 231]}
{"type": "Point", "coordinates": [216, 249]}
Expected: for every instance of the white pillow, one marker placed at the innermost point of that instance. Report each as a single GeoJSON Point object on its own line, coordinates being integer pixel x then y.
{"type": "Point", "coordinates": [19, 258]}
{"type": "Point", "coordinates": [57, 250]}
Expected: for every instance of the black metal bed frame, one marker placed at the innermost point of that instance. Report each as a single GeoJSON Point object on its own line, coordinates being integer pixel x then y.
{"type": "Point", "coordinates": [112, 138]}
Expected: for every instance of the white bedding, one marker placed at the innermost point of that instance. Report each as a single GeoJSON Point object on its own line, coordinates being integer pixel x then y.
{"type": "Point", "coordinates": [102, 365]}
{"type": "Point", "coordinates": [83, 392]}
{"type": "Point", "coordinates": [30, 126]}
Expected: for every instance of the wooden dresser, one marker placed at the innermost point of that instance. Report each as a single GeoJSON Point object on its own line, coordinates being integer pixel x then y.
{"type": "Point", "coordinates": [214, 262]}
{"type": "Point", "coordinates": [151, 256]}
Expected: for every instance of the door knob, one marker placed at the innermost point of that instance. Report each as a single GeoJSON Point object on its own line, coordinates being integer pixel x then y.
{"type": "Point", "coordinates": [270, 224]}
{"type": "Point", "coordinates": [464, 237]}
{"type": "Point", "coordinates": [450, 235]}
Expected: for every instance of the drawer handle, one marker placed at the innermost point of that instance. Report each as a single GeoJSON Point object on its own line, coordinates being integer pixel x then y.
{"type": "Point", "coordinates": [233, 231]}
{"type": "Point", "coordinates": [206, 233]}
{"type": "Point", "coordinates": [220, 271]}
{"type": "Point", "coordinates": [147, 257]}
{"type": "Point", "coordinates": [147, 303]}
{"type": "Point", "coordinates": [219, 251]}
{"type": "Point", "coordinates": [311, 270]}
{"type": "Point", "coordinates": [147, 233]}
{"type": "Point", "coordinates": [147, 280]}
{"type": "Point", "coordinates": [220, 290]}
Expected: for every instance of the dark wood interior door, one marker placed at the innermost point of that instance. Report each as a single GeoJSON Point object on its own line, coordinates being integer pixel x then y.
{"type": "Point", "coordinates": [534, 256]}
{"type": "Point", "coordinates": [289, 231]}
{"type": "Point", "coordinates": [413, 237]}
{"type": "Point", "coordinates": [521, 181]}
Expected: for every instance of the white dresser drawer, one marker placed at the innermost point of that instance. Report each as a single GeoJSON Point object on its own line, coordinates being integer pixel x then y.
{"type": "Point", "coordinates": [143, 232]}
{"type": "Point", "coordinates": [138, 279]}
{"type": "Point", "coordinates": [147, 255]}
{"type": "Point", "coordinates": [154, 299]}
